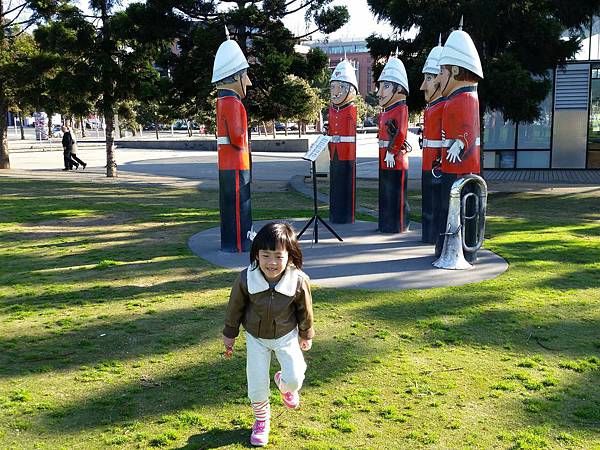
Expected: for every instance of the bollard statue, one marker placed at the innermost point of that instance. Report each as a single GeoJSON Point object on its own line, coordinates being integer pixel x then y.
{"type": "Point", "coordinates": [432, 148]}
{"type": "Point", "coordinates": [393, 148]}
{"type": "Point", "coordinates": [342, 147]}
{"type": "Point", "coordinates": [460, 73]}
{"type": "Point", "coordinates": [231, 79]}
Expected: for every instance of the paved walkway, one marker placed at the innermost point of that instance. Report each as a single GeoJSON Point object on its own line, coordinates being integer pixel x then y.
{"type": "Point", "coordinates": [554, 176]}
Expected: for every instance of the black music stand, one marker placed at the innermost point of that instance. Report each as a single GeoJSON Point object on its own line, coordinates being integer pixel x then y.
{"type": "Point", "coordinates": [311, 155]}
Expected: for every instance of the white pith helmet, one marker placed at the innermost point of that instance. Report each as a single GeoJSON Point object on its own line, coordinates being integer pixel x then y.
{"type": "Point", "coordinates": [432, 64]}
{"type": "Point", "coordinates": [345, 72]}
{"type": "Point", "coordinates": [459, 50]}
{"type": "Point", "coordinates": [229, 59]}
{"type": "Point", "coordinates": [394, 71]}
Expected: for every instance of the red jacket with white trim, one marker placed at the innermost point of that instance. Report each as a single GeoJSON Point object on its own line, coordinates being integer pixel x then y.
{"type": "Point", "coordinates": [232, 132]}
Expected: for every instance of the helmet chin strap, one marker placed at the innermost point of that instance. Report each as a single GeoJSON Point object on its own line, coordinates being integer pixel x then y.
{"type": "Point", "coordinates": [346, 97]}
{"type": "Point", "coordinates": [447, 81]}
{"type": "Point", "coordinates": [388, 102]}
{"type": "Point", "coordinates": [434, 92]}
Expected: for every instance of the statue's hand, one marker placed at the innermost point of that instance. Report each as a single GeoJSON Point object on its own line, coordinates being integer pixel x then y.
{"type": "Point", "coordinates": [453, 154]}
{"type": "Point", "coordinates": [390, 160]}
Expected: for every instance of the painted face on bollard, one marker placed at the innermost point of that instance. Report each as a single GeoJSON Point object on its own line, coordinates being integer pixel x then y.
{"type": "Point", "coordinates": [389, 93]}
{"type": "Point", "coordinates": [341, 92]}
{"type": "Point", "coordinates": [245, 83]}
{"type": "Point", "coordinates": [430, 88]}
{"type": "Point", "coordinates": [445, 80]}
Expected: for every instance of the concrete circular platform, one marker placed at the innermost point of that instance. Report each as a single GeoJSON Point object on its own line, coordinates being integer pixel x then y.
{"type": "Point", "coordinates": [366, 259]}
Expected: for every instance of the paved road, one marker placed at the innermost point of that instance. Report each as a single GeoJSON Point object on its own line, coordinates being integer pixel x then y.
{"type": "Point", "coordinates": [198, 165]}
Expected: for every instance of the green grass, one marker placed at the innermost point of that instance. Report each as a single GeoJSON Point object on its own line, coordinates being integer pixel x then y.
{"type": "Point", "coordinates": [110, 332]}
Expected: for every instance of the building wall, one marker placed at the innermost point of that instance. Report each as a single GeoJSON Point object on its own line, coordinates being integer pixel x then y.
{"type": "Point", "coordinates": [357, 53]}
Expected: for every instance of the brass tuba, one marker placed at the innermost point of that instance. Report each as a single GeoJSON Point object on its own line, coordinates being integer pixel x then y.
{"type": "Point", "coordinates": [452, 256]}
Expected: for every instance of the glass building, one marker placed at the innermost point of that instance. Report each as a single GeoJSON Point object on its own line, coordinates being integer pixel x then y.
{"type": "Point", "coordinates": [567, 134]}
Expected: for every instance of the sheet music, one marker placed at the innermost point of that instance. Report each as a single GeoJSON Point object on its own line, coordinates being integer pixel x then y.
{"type": "Point", "coordinates": [317, 147]}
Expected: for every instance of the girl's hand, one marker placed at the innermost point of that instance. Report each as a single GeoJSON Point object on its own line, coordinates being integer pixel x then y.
{"type": "Point", "coordinates": [228, 342]}
{"type": "Point", "coordinates": [305, 344]}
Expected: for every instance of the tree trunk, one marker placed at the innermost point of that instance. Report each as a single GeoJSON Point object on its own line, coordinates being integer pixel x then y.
{"type": "Point", "coordinates": [49, 126]}
{"type": "Point", "coordinates": [21, 126]}
{"type": "Point", "coordinates": [4, 158]}
{"type": "Point", "coordinates": [300, 128]}
{"type": "Point", "coordinates": [156, 128]}
{"type": "Point", "coordinates": [82, 126]}
{"type": "Point", "coordinates": [189, 128]}
{"type": "Point", "coordinates": [118, 127]}
{"type": "Point", "coordinates": [108, 89]}
{"type": "Point", "coordinates": [274, 130]}
{"type": "Point", "coordinates": [111, 164]}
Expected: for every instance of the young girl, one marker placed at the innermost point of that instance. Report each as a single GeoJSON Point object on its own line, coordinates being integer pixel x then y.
{"type": "Point", "coordinates": [271, 299]}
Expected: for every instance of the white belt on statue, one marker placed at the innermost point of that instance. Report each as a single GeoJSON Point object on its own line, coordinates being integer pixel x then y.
{"type": "Point", "coordinates": [341, 139]}
{"type": "Point", "coordinates": [432, 143]}
{"type": "Point", "coordinates": [383, 143]}
{"type": "Point", "coordinates": [449, 142]}
{"type": "Point", "coordinates": [223, 140]}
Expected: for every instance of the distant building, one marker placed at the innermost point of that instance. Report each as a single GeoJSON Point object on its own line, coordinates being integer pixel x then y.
{"type": "Point", "coordinates": [357, 53]}
{"type": "Point", "coordinates": [567, 135]}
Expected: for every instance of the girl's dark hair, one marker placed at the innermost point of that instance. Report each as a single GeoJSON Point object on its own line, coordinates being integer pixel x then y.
{"type": "Point", "coordinates": [273, 235]}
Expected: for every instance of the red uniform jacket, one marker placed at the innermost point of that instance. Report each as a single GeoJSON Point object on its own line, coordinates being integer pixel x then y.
{"type": "Point", "coordinates": [432, 133]}
{"type": "Point", "coordinates": [342, 126]}
{"type": "Point", "coordinates": [460, 120]}
{"type": "Point", "coordinates": [232, 132]}
{"type": "Point", "coordinates": [398, 113]}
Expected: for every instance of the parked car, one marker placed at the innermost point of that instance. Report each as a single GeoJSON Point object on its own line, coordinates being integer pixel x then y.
{"type": "Point", "coordinates": [56, 131]}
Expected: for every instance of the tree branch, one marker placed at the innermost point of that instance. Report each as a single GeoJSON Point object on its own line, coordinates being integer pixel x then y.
{"type": "Point", "coordinates": [7, 12]}
{"type": "Point", "coordinates": [12, 21]}
{"type": "Point", "coordinates": [307, 34]}
{"type": "Point", "coordinates": [25, 29]}
{"type": "Point", "coordinates": [299, 8]}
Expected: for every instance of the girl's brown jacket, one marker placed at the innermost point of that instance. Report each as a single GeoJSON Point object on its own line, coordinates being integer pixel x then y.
{"type": "Point", "coordinates": [270, 313]}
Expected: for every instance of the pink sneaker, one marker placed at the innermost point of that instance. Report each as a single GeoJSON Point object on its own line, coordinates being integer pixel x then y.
{"type": "Point", "coordinates": [290, 399]}
{"type": "Point", "coordinates": [260, 433]}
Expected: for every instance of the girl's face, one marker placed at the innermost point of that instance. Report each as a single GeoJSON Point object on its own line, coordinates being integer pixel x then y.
{"type": "Point", "coordinates": [272, 263]}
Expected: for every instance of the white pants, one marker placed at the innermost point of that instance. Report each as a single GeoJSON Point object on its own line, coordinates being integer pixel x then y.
{"type": "Point", "coordinates": [258, 361]}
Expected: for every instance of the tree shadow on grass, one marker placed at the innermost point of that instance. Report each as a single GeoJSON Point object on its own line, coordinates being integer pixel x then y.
{"type": "Point", "coordinates": [217, 438]}
{"type": "Point", "coordinates": [74, 345]}
{"type": "Point", "coordinates": [96, 295]}
{"type": "Point", "coordinates": [216, 382]}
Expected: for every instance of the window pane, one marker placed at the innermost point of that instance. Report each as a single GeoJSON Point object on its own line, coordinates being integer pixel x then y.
{"type": "Point", "coordinates": [533, 160]}
{"type": "Point", "coordinates": [499, 160]}
{"type": "Point", "coordinates": [537, 134]}
{"type": "Point", "coordinates": [498, 134]}
{"type": "Point", "coordinates": [595, 41]}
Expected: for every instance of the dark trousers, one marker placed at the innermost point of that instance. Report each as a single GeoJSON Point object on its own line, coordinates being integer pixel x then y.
{"type": "Point", "coordinates": [430, 215]}
{"type": "Point", "coordinates": [393, 201]}
{"type": "Point", "coordinates": [342, 191]}
{"type": "Point", "coordinates": [236, 212]}
{"type": "Point", "coordinates": [470, 227]}
{"type": "Point", "coordinates": [67, 159]}
{"type": "Point", "coordinates": [76, 159]}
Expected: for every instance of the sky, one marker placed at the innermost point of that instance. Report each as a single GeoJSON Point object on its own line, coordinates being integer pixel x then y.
{"type": "Point", "coordinates": [362, 23]}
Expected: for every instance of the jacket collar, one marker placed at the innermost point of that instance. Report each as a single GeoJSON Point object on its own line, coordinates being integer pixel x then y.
{"type": "Point", "coordinates": [462, 90]}
{"type": "Point", "coordinates": [436, 101]}
{"type": "Point", "coordinates": [227, 93]}
{"type": "Point", "coordinates": [287, 285]}
{"type": "Point", "coordinates": [394, 105]}
{"type": "Point", "coordinates": [339, 108]}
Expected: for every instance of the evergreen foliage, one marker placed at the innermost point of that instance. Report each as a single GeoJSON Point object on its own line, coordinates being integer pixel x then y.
{"type": "Point", "coordinates": [519, 43]}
